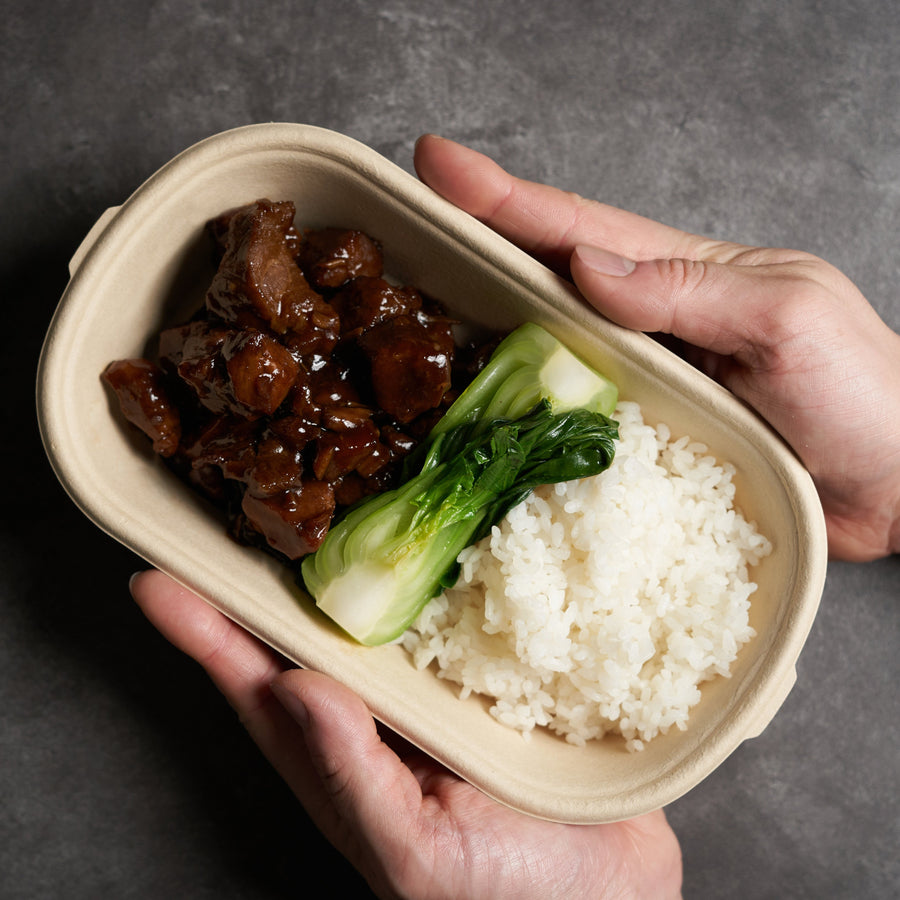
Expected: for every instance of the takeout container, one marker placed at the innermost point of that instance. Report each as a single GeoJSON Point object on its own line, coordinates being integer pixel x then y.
{"type": "Point", "coordinates": [146, 264]}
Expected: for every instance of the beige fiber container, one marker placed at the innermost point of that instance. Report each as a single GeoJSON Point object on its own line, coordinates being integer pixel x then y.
{"type": "Point", "coordinates": [146, 264]}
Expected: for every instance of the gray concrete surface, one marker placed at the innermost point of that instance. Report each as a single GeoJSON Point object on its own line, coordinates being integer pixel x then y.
{"type": "Point", "coordinates": [122, 772]}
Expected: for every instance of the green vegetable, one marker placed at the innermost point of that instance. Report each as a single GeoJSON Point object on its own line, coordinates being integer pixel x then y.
{"type": "Point", "coordinates": [534, 415]}
{"type": "Point", "coordinates": [528, 366]}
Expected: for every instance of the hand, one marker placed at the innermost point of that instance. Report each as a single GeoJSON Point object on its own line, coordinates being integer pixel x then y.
{"type": "Point", "coordinates": [783, 330]}
{"type": "Point", "coordinates": [409, 826]}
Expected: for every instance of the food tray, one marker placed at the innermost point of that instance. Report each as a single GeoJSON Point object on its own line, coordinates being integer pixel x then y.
{"type": "Point", "coordinates": [146, 264]}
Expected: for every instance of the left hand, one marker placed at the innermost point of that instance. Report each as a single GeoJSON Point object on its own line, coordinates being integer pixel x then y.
{"type": "Point", "coordinates": [411, 828]}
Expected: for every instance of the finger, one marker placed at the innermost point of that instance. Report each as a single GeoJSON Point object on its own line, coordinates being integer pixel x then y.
{"type": "Point", "coordinates": [345, 747]}
{"type": "Point", "coordinates": [372, 800]}
{"type": "Point", "coordinates": [546, 221]}
{"type": "Point", "coordinates": [730, 310]}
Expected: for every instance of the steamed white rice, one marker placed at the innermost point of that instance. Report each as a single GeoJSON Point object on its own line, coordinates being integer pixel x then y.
{"type": "Point", "coordinates": [599, 606]}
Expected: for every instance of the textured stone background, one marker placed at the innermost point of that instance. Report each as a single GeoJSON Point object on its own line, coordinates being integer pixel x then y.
{"type": "Point", "coordinates": [122, 772]}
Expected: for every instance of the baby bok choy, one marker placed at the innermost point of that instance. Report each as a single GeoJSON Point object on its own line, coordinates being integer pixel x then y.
{"type": "Point", "coordinates": [535, 414]}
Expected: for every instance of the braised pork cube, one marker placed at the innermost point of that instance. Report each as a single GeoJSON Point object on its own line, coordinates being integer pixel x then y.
{"type": "Point", "coordinates": [244, 372]}
{"type": "Point", "coordinates": [259, 284]}
{"type": "Point", "coordinates": [293, 431]}
{"type": "Point", "coordinates": [198, 339]}
{"type": "Point", "coordinates": [194, 352]}
{"type": "Point", "coordinates": [261, 371]}
{"type": "Point", "coordinates": [398, 442]}
{"type": "Point", "coordinates": [410, 364]}
{"type": "Point", "coordinates": [278, 467]}
{"type": "Point", "coordinates": [332, 384]}
{"type": "Point", "coordinates": [295, 521]}
{"type": "Point", "coordinates": [226, 443]}
{"type": "Point", "coordinates": [346, 417]}
{"type": "Point", "coordinates": [331, 256]}
{"type": "Point", "coordinates": [146, 402]}
{"type": "Point", "coordinates": [367, 301]}
{"type": "Point", "coordinates": [326, 389]}
{"type": "Point", "coordinates": [352, 487]}
{"type": "Point", "coordinates": [357, 449]}
{"type": "Point", "coordinates": [217, 229]}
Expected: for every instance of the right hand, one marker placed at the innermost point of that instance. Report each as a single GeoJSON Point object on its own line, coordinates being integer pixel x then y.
{"type": "Point", "coordinates": [783, 330]}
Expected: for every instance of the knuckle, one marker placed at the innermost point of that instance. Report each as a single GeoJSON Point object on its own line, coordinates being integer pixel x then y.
{"type": "Point", "coordinates": [681, 276]}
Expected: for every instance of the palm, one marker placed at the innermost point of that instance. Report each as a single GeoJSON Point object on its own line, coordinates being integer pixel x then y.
{"type": "Point", "coordinates": [465, 845]}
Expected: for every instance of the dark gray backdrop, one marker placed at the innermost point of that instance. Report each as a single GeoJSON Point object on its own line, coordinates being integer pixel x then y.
{"type": "Point", "coordinates": [122, 772]}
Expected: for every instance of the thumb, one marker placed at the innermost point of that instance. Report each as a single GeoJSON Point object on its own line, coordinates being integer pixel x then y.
{"type": "Point", "coordinates": [365, 791]}
{"type": "Point", "coordinates": [714, 306]}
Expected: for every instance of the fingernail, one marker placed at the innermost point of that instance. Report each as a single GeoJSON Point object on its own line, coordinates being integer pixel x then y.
{"type": "Point", "coordinates": [603, 261]}
{"type": "Point", "coordinates": [429, 136]}
{"type": "Point", "coordinates": [292, 703]}
{"type": "Point", "coordinates": [133, 576]}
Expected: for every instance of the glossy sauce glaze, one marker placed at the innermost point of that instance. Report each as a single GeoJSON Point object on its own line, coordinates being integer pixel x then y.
{"type": "Point", "coordinates": [301, 384]}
